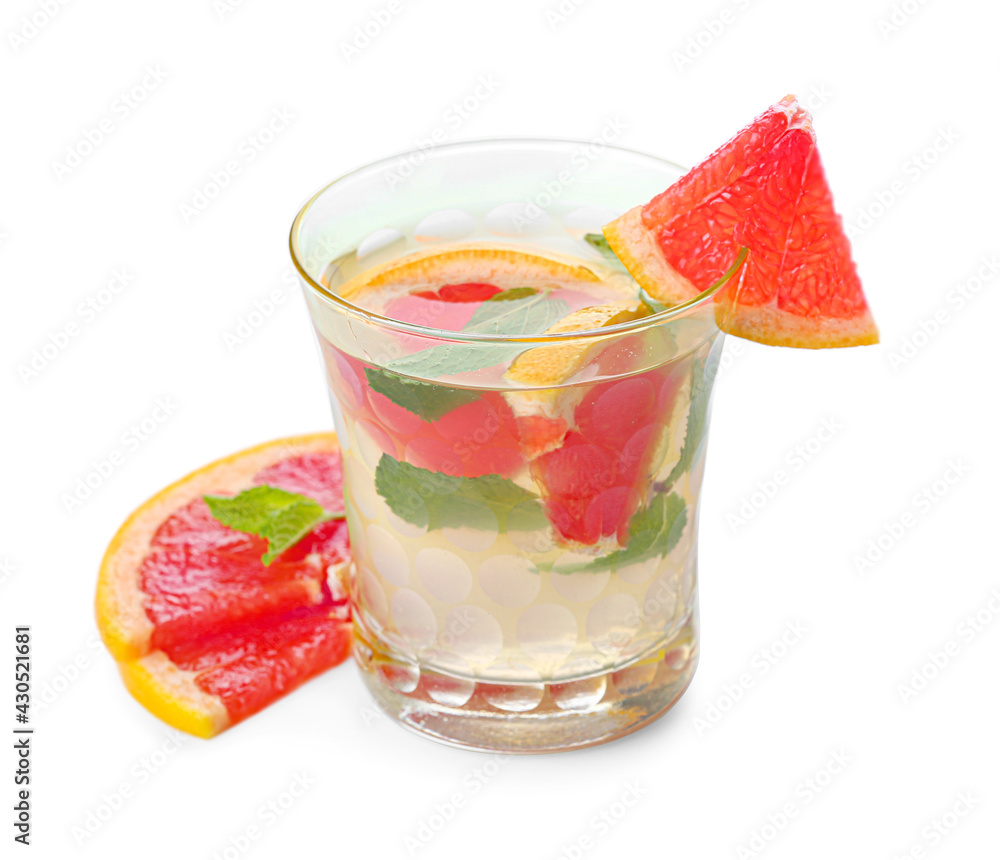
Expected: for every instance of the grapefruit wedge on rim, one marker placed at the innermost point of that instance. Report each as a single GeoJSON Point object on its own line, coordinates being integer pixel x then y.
{"type": "Point", "coordinates": [765, 189]}
{"type": "Point", "coordinates": [205, 634]}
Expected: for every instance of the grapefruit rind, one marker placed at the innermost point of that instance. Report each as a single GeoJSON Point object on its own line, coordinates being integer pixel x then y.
{"type": "Point", "coordinates": [553, 364]}
{"type": "Point", "coordinates": [633, 239]}
{"type": "Point", "coordinates": [120, 603]}
{"type": "Point", "coordinates": [544, 368]}
{"type": "Point", "coordinates": [770, 326]}
{"type": "Point", "coordinates": [499, 265]}
{"type": "Point", "coordinates": [172, 694]}
{"type": "Point", "coordinates": [640, 253]}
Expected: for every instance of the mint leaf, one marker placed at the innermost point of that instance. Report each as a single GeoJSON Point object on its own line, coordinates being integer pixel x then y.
{"type": "Point", "coordinates": [517, 311]}
{"type": "Point", "coordinates": [437, 501]}
{"type": "Point", "coordinates": [651, 303]}
{"type": "Point", "coordinates": [701, 391]}
{"type": "Point", "coordinates": [653, 531]}
{"type": "Point", "coordinates": [450, 358]}
{"type": "Point", "coordinates": [426, 400]}
{"type": "Point", "coordinates": [283, 518]}
{"type": "Point", "coordinates": [513, 293]}
{"type": "Point", "coordinates": [598, 241]}
{"type": "Point", "coordinates": [529, 315]}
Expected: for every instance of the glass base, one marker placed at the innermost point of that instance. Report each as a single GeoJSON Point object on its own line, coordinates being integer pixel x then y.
{"type": "Point", "coordinates": [530, 718]}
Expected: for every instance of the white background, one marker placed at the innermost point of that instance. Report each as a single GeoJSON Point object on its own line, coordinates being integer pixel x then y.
{"type": "Point", "coordinates": [883, 93]}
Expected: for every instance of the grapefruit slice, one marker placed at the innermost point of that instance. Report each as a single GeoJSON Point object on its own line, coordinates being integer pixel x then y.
{"type": "Point", "coordinates": [765, 189]}
{"type": "Point", "coordinates": [591, 447]}
{"type": "Point", "coordinates": [204, 633]}
{"type": "Point", "coordinates": [545, 413]}
{"type": "Point", "coordinates": [475, 264]}
{"type": "Point", "coordinates": [602, 471]}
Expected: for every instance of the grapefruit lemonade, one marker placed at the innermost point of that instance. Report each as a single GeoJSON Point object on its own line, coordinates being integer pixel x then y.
{"type": "Point", "coordinates": [520, 360]}
{"type": "Point", "coordinates": [503, 531]}
{"type": "Point", "coordinates": [522, 429]}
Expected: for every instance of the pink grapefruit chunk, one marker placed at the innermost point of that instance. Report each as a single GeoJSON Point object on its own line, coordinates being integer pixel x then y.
{"type": "Point", "coordinates": [766, 190]}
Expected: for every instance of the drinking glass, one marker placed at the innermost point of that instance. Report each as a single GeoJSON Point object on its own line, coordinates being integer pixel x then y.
{"type": "Point", "coordinates": [477, 621]}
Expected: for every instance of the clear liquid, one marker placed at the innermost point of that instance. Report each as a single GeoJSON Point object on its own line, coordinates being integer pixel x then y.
{"type": "Point", "coordinates": [587, 566]}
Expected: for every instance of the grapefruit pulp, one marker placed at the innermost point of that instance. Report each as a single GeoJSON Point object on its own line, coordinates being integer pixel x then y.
{"type": "Point", "coordinates": [765, 189]}
{"type": "Point", "coordinates": [204, 633]}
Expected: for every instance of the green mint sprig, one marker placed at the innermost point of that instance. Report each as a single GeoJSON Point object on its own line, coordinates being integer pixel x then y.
{"type": "Point", "coordinates": [520, 311]}
{"type": "Point", "coordinates": [597, 240]}
{"type": "Point", "coordinates": [702, 371]}
{"type": "Point", "coordinates": [513, 293]}
{"type": "Point", "coordinates": [427, 401]}
{"type": "Point", "coordinates": [281, 517]}
{"type": "Point", "coordinates": [438, 501]}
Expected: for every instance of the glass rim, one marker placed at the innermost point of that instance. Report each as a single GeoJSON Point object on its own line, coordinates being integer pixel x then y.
{"type": "Point", "coordinates": [382, 321]}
